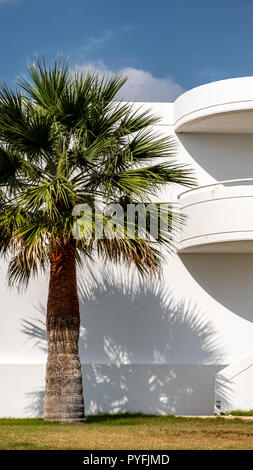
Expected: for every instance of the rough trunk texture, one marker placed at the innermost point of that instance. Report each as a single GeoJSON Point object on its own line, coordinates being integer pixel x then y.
{"type": "Point", "coordinates": [64, 392]}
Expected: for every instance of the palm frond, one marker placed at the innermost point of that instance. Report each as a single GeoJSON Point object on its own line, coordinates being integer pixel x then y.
{"type": "Point", "coordinates": [45, 85]}
{"type": "Point", "coordinates": [22, 125]}
{"type": "Point", "coordinates": [66, 141]}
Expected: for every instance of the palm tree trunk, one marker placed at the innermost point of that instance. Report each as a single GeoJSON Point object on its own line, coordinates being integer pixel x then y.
{"type": "Point", "coordinates": [64, 391]}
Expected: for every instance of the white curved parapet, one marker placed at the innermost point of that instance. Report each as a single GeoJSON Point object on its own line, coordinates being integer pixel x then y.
{"type": "Point", "coordinates": [219, 218]}
{"type": "Point", "coordinates": [225, 106]}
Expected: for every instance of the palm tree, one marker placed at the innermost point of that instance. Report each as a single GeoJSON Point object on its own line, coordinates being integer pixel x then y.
{"type": "Point", "coordinates": [66, 141]}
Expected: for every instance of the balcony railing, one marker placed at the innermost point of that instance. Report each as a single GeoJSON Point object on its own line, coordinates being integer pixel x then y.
{"type": "Point", "coordinates": [219, 217]}
{"type": "Point", "coordinates": [225, 106]}
{"type": "Point", "coordinates": [219, 183]}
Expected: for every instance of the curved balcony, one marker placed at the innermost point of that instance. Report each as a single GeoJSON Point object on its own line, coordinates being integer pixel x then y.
{"type": "Point", "coordinates": [225, 106]}
{"type": "Point", "coordinates": [219, 218]}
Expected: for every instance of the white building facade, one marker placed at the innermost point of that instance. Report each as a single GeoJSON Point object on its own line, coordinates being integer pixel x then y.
{"type": "Point", "coordinates": [175, 346]}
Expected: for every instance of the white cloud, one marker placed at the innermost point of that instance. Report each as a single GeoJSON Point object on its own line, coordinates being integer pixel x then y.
{"type": "Point", "coordinates": [141, 84]}
{"type": "Point", "coordinates": [97, 42]}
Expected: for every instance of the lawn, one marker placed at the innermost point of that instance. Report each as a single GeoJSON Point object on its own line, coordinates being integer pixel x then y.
{"type": "Point", "coordinates": [128, 432]}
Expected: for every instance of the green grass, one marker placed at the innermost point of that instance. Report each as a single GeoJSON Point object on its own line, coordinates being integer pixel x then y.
{"type": "Point", "coordinates": [128, 432]}
{"type": "Point", "coordinates": [240, 413]}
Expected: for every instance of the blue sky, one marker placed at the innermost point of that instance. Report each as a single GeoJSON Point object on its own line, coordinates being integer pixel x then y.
{"type": "Point", "coordinates": [164, 46]}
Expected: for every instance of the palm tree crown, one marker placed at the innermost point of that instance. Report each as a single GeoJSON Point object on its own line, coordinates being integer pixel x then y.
{"type": "Point", "coordinates": [64, 141]}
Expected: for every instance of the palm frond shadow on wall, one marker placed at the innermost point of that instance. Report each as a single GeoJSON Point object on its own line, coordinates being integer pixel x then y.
{"type": "Point", "coordinates": [149, 368]}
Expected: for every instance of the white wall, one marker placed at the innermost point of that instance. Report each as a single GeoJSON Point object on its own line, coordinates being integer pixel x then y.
{"type": "Point", "coordinates": [218, 157]}
{"type": "Point", "coordinates": [159, 389]}
{"type": "Point", "coordinates": [233, 385]}
{"type": "Point", "coordinates": [170, 338]}
{"type": "Point", "coordinates": [152, 347]}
